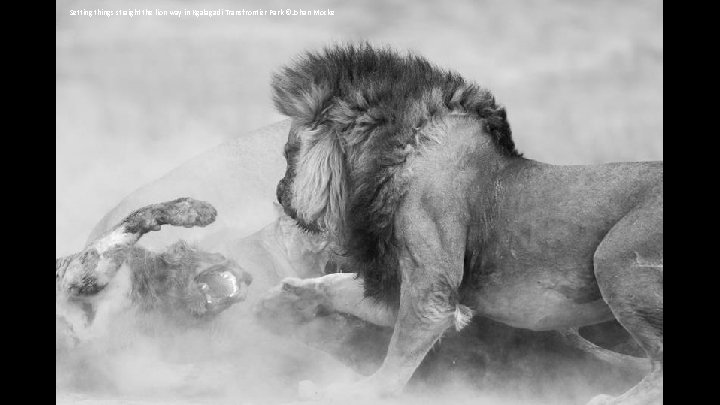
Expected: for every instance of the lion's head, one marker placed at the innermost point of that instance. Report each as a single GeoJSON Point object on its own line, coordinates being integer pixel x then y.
{"type": "Point", "coordinates": [358, 114]}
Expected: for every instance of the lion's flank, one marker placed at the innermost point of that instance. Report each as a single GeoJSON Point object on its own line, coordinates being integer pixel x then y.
{"type": "Point", "coordinates": [371, 106]}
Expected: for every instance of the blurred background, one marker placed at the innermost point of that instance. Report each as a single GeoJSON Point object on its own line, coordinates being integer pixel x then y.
{"type": "Point", "coordinates": [135, 97]}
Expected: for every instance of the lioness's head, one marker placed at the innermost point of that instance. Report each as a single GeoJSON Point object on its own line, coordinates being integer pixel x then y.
{"type": "Point", "coordinates": [185, 280]}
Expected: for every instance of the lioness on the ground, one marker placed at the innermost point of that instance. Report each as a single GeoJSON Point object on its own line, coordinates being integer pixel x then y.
{"type": "Point", "coordinates": [183, 282]}
{"type": "Point", "coordinates": [412, 172]}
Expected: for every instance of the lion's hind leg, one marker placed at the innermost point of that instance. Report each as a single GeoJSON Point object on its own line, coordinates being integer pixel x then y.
{"type": "Point", "coordinates": [629, 272]}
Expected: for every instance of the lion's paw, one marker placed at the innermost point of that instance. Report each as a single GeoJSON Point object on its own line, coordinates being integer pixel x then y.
{"type": "Point", "coordinates": [295, 301]}
{"type": "Point", "coordinates": [301, 288]}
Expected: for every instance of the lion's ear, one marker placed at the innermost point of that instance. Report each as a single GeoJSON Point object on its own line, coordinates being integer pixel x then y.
{"type": "Point", "coordinates": [319, 185]}
{"type": "Point", "coordinates": [302, 101]}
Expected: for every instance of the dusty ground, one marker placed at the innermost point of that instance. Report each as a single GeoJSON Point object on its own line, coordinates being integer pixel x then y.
{"type": "Point", "coordinates": [582, 82]}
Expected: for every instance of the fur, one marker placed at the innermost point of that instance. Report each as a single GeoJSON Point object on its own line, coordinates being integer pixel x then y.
{"type": "Point", "coordinates": [359, 113]}
{"type": "Point", "coordinates": [319, 185]}
{"type": "Point", "coordinates": [165, 281]}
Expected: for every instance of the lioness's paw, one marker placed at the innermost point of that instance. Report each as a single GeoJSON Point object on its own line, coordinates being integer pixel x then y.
{"type": "Point", "coordinates": [185, 212]}
{"type": "Point", "coordinates": [189, 212]}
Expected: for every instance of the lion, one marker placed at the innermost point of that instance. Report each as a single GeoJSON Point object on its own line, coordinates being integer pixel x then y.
{"type": "Point", "coordinates": [185, 284]}
{"type": "Point", "coordinates": [412, 172]}
{"type": "Point", "coordinates": [240, 177]}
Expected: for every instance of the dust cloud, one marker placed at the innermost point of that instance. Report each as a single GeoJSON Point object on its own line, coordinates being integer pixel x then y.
{"type": "Point", "coordinates": [582, 82]}
{"type": "Point", "coordinates": [145, 358]}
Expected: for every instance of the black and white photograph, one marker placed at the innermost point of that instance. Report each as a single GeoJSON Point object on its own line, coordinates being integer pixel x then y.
{"type": "Point", "coordinates": [390, 202]}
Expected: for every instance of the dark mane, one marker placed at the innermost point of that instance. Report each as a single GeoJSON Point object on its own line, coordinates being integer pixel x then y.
{"type": "Point", "coordinates": [377, 102]}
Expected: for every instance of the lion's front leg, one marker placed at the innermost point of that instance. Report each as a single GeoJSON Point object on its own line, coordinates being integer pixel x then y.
{"type": "Point", "coordinates": [431, 267]}
{"type": "Point", "coordinates": [428, 307]}
{"type": "Point", "coordinates": [298, 300]}
{"type": "Point", "coordinates": [426, 311]}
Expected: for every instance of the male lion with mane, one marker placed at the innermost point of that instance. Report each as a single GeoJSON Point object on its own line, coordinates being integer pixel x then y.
{"type": "Point", "coordinates": [412, 172]}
